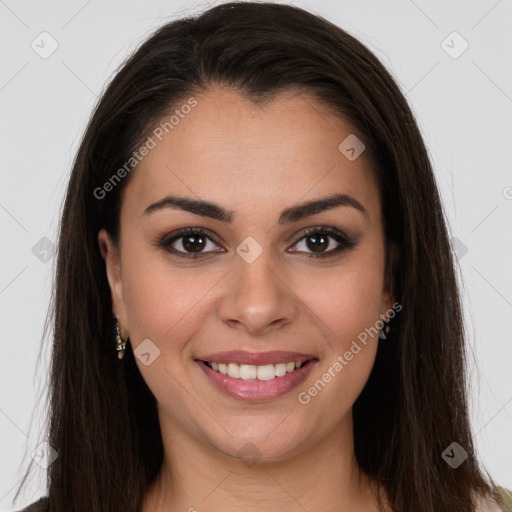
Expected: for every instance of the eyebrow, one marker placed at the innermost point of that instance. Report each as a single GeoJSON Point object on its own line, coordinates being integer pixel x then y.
{"type": "Point", "coordinates": [291, 214]}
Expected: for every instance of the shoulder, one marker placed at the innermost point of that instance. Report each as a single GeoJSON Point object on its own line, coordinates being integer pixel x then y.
{"type": "Point", "coordinates": [505, 499]}
{"type": "Point", "coordinates": [40, 505]}
{"type": "Point", "coordinates": [504, 504]}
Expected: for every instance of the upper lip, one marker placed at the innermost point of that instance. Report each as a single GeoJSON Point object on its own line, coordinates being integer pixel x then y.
{"type": "Point", "coordinates": [256, 358]}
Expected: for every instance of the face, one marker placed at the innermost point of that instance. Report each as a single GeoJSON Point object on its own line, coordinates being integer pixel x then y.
{"type": "Point", "coordinates": [268, 280]}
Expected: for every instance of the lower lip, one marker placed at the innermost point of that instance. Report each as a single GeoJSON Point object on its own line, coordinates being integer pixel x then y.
{"type": "Point", "coordinates": [258, 390]}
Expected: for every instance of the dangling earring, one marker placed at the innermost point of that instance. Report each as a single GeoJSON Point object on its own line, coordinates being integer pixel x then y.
{"type": "Point", "coordinates": [386, 329]}
{"type": "Point", "coordinates": [120, 343]}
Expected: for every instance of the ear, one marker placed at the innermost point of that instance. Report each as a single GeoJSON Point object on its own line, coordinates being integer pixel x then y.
{"type": "Point", "coordinates": [392, 263]}
{"type": "Point", "coordinates": [110, 254]}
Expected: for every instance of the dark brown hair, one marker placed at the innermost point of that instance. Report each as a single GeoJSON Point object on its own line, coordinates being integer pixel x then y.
{"type": "Point", "coordinates": [103, 420]}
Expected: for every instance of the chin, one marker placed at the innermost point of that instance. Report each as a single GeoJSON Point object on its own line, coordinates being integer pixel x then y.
{"type": "Point", "coordinates": [263, 442]}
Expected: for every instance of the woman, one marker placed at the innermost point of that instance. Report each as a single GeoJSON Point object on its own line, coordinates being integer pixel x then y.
{"type": "Point", "coordinates": [253, 204]}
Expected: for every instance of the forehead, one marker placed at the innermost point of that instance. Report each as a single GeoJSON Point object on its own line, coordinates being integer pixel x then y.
{"type": "Point", "coordinates": [227, 149]}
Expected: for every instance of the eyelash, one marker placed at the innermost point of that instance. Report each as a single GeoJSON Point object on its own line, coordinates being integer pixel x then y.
{"type": "Point", "coordinates": [338, 236]}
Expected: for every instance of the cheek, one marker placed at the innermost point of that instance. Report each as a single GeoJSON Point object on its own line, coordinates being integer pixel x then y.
{"type": "Point", "coordinates": [164, 304]}
{"type": "Point", "coordinates": [166, 301]}
{"type": "Point", "coordinates": [350, 310]}
{"type": "Point", "coordinates": [348, 305]}
{"type": "Point", "coordinates": [348, 299]}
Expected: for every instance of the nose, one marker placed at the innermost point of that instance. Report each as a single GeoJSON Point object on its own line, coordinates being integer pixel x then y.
{"type": "Point", "coordinates": [257, 297]}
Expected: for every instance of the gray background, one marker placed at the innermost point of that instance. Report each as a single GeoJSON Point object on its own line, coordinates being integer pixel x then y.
{"type": "Point", "coordinates": [463, 104]}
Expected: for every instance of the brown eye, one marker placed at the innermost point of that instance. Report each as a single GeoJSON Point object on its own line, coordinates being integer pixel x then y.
{"type": "Point", "coordinates": [317, 243]}
{"type": "Point", "coordinates": [193, 243]}
{"type": "Point", "coordinates": [323, 242]}
{"type": "Point", "coordinates": [190, 242]}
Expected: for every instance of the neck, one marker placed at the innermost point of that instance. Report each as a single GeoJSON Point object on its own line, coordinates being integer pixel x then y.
{"type": "Point", "coordinates": [197, 477]}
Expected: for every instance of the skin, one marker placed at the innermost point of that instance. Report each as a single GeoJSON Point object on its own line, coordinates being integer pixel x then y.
{"type": "Point", "coordinates": [255, 161]}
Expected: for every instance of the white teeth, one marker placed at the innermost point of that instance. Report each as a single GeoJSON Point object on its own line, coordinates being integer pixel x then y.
{"type": "Point", "coordinates": [266, 372]}
{"type": "Point", "coordinates": [234, 370]}
{"type": "Point", "coordinates": [280, 369]}
{"type": "Point", "coordinates": [249, 371]}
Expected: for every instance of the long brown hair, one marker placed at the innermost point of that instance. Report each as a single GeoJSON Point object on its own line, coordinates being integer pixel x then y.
{"type": "Point", "coordinates": [103, 420]}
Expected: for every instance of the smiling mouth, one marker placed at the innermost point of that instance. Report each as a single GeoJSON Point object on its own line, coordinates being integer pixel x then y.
{"type": "Point", "coordinates": [256, 376]}
{"type": "Point", "coordinates": [253, 372]}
